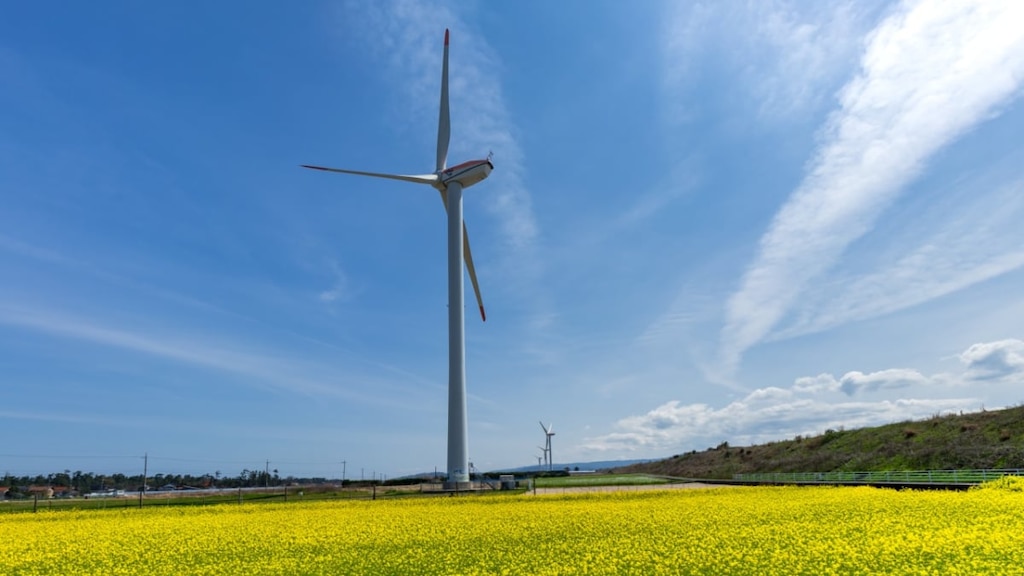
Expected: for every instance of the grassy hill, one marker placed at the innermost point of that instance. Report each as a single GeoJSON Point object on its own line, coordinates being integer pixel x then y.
{"type": "Point", "coordinates": [986, 439]}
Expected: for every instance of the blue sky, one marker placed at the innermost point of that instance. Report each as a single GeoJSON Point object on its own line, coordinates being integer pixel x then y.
{"type": "Point", "coordinates": [707, 221]}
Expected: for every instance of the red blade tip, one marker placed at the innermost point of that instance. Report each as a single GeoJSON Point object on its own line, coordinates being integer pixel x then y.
{"type": "Point", "coordinates": [445, 36]}
{"type": "Point", "coordinates": [483, 316]}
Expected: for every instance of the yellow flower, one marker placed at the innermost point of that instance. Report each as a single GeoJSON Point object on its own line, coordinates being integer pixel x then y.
{"type": "Point", "coordinates": [719, 531]}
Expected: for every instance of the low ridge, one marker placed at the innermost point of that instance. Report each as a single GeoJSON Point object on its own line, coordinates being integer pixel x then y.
{"type": "Point", "coordinates": [985, 439]}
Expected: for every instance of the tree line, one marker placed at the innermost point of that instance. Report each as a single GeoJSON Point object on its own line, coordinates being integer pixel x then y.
{"type": "Point", "coordinates": [85, 482]}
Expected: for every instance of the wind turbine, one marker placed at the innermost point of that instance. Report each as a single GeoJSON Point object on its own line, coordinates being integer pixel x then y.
{"type": "Point", "coordinates": [544, 452]}
{"type": "Point", "coordinates": [547, 444]}
{"type": "Point", "coordinates": [450, 182]}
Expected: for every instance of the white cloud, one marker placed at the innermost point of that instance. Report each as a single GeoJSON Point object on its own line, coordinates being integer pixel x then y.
{"type": "Point", "coordinates": [854, 382]}
{"type": "Point", "coordinates": [811, 43]}
{"type": "Point", "coordinates": [787, 55]}
{"type": "Point", "coordinates": [813, 384]}
{"type": "Point", "coordinates": [339, 290]}
{"type": "Point", "coordinates": [974, 237]}
{"type": "Point", "coordinates": [681, 180]}
{"type": "Point", "coordinates": [929, 73]}
{"type": "Point", "coordinates": [813, 404]}
{"type": "Point", "coordinates": [674, 427]}
{"type": "Point", "coordinates": [994, 360]}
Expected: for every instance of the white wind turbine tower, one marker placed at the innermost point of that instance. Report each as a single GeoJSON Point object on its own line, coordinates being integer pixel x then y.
{"type": "Point", "coordinates": [450, 182]}
{"type": "Point", "coordinates": [547, 442]}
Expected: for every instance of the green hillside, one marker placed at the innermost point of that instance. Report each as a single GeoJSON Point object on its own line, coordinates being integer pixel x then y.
{"type": "Point", "coordinates": [986, 439]}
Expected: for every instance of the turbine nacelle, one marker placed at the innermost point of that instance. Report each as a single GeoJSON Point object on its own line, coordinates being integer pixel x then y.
{"type": "Point", "coordinates": [466, 174]}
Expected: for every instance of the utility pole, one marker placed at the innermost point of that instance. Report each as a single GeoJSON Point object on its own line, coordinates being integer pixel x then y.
{"type": "Point", "coordinates": [145, 472]}
{"type": "Point", "coordinates": [343, 463]}
{"type": "Point", "coordinates": [266, 476]}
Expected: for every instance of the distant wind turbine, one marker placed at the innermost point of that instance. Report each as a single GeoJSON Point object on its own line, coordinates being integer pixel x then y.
{"type": "Point", "coordinates": [548, 433]}
{"type": "Point", "coordinates": [450, 182]}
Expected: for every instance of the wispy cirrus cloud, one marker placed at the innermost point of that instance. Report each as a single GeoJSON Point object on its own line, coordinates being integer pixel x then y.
{"type": "Point", "coordinates": [256, 367]}
{"type": "Point", "coordinates": [339, 289]}
{"type": "Point", "coordinates": [782, 60]}
{"type": "Point", "coordinates": [929, 73]}
{"type": "Point", "coordinates": [21, 248]}
{"type": "Point", "coordinates": [786, 55]}
{"type": "Point", "coordinates": [975, 237]}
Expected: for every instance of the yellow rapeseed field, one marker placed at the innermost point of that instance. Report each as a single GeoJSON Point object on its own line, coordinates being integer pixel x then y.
{"type": "Point", "coordinates": [718, 531]}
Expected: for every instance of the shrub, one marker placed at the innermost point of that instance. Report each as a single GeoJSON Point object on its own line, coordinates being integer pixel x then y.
{"type": "Point", "coordinates": [1003, 483]}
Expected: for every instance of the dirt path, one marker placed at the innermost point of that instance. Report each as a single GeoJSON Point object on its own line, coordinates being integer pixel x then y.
{"type": "Point", "coordinates": [626, 488]}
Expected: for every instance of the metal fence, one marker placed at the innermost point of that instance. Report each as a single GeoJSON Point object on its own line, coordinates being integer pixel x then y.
{"type": "Point", "coordinates": [968, 476]}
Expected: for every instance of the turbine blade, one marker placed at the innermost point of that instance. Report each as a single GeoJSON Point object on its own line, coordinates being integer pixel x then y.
{"type": "Point", "coordinates": [543, 427]}
{"type": "Point", "coordinates": [467, 254]}
{"type": "Point", "coordinates": [417, 178]}
{"type": "Point", "coordinates": [444, 127]}
{"type": "Point", "coordinates": [472, 271]}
